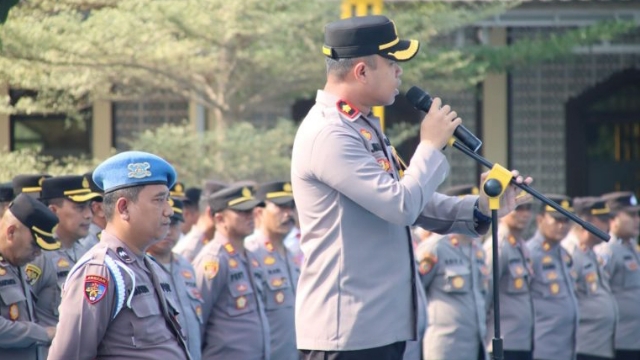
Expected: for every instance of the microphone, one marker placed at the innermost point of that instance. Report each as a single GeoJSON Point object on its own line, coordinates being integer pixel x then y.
{"type": "Point", "coordinates": [421, 100]}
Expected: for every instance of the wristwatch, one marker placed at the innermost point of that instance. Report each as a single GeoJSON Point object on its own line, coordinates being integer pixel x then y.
{"type": "Point", "coordinates": [479, 217]}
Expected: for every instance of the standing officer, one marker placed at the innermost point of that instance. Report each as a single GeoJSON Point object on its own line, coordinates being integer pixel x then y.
{"type": "Point", "coordinates": [515, 274]}
{"type": "Point", "coordinates": [25, 229]}
{"type": "Point", "coordinates": [113, 302]}
{"type": "Point", "coordinates": [68, 198]}
{"type": "Point", "coordinates": [202, 232]}
{"type": "Point", "coordinates": [6, 195]}
{"type": "Point", "coordinates": [596, 304]}
{"type": "Point", "coordinates": [98, 221]}
{"type": "Point", "coordinates": [28, 184]}
{"type": "Point", "coordinates": [355, 210]}
{"type": "Point", "coordinates": [191, 211]}
{"type": "Point", "coordinates": [622, 262]}
{"type": "Point", "coordinates": [230, 281]}
{"type": "Point", "coordinates": [275, 221]}
{"type": "Point", "coordinates": [554, 300]}
{"type": "Point", "coordinates": [183, 280]}
{"type": "Point", "coordinates": [456, 282]}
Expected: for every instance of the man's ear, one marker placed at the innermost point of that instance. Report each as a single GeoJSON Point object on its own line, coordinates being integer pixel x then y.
{"type": "Point", "coordinates": [360, 71]}
{"type": "Point", "coordinates": [122, 208]}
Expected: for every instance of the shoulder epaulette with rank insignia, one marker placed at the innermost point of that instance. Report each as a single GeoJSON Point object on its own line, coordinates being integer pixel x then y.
{"type": "Point", "coordinates": [347, 109]}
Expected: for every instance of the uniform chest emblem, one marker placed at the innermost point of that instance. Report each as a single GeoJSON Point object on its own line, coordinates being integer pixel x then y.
{"type": "Point", "coordinates": [269, 260]}
{"type": "Point", "coordinates": [384, 164]}
{"type": "Point", "coordinates": [211, 269]}
{"type": "Point", "coordinates": [233, 263]}
{"type": "Point", "coordinates": [33, 273]}
{"type": "Point", "coordinates": [95, 287]}
{"type": "Point", "coordinates": [241, 288]}
{"type": "Point", "coordinates": [427, 263]}
{"type": "Point", "coordinates": [277, 282]}
{"type": "Point", "coordinates": [2, 271]}
{"type": "Point", "coordinates": [457, 282]}
{"type": "Point", "coordinates": [199, 311]}
{"type": "Point", "coordinates": [241, 302]}
{"type": "Point", "coordinates": [187, 274]}
{"type": "Point", "coordinates": [63, 263]}
{"type": "Point", "coordinates": [279, 297]}
{"type": "Point", "coordinates": [480, 254]}
{"type": "Point", "coordinates": [14, 312]}
{"type": "Point", "coordinates": [518, 283]}
{"type": "Point", "coordinates": [366, 133]}
{"type": "Point", "coordinates": [547, 260]}
{"type": "Point", "coordinates": [255, 263]}
{"type": "Point", "coordinates": [552, 275]}
{"type": "Point", "coordinates": [554, 288]}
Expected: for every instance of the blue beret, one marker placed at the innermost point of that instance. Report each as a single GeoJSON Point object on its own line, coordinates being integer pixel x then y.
{"type": "Point", "coordinates": [133, 168]}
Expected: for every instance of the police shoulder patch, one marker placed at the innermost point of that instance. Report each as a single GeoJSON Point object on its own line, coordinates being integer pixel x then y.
{"type": "Point", "coordinates": [95, 287]}
{"type": "Point", "coordinates": [33, 273]}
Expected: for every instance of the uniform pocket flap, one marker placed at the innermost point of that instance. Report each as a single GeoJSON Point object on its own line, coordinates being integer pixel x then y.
{"type": "Point", "coordinates": [12, 295]}
{"type": "Point", "coordinates": [145, 305]}
{"type": "Point", "coordinates": [457, 270]}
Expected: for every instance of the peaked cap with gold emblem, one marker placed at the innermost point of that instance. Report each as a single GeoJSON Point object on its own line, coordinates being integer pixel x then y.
{"type": "Point", "coordinates": [367, 35]}
{"type": "Point", "coordinates": [29, 184]}
{"type": "Point", "coordinates": [593, 206]}
{"type": "Point", "coordinates": [37, 217]}
{"type": "Point", "coordinates": [235, 197]}
{"type": "Point", "coordinates": [73, 187]}
{"type": "Point", "coordinates": [564, 201]}
{"type": "Point", "coordinates": [177, 206]}
{"type": "Point", "coordinates": [278, 192]}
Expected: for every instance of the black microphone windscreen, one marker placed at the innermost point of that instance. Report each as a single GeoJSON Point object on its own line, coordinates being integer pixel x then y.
{"type": "Point", "coordinates": [419, 98]}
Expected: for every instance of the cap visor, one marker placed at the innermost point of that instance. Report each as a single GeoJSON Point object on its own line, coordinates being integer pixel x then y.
{"type": "Point", "coordinates": [177, 216]}
{"type": "Point", "coordinates": [84, 197]}
{"type": "Point", "coordinates": [46, 243]}
{"type": "Point", "coordinates": [247, 205]}
{"type": "Point", "coordinates": [282, 200]}
{"type": "Point", "coordinates": [404, 50]}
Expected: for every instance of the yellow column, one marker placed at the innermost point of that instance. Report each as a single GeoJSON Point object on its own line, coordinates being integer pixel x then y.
{"type": "Point", "coordinates": [102, 133]}
{"type": "Point", "coordinates": [494, 108]}
{"type": "Point", "coordinates": [5, 130]}
{"type": "Point", "coordinates": [362, 8]}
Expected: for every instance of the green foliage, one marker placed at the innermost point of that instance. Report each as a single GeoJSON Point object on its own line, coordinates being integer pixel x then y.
{"type": "Point", "coordinates": [29, 161]}
{"type": "Point", "coordinates": [246, 152]}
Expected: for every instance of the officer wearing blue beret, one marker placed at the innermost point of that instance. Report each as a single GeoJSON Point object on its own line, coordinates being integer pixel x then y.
{"type": "Point", "coordinates": [26, 228]}
{"type": "Point", "coordinates": [121, 299]}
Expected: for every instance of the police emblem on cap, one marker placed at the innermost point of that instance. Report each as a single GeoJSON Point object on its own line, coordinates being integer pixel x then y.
{"type": "Point", "coordinates": [139, 170]}
{"type": "Point", "coordinates": [85, 183]}
{"type": "Point", "coordinates": [41, 180]}
{"type": "Point", "coordinates": [178, 188]}
{"type": "Point", "coordinates": [171, 202]}
{"type": "Point", "coordinates": [246, 192]}
{"type": "Point", "coordinates": [633, 200]}
{"type": "Point", "coordinates": [287, 187]}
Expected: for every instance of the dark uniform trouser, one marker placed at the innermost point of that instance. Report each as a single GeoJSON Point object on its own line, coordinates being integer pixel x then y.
{"type": "Point", "coordinates": [591, 357]}
{"type": "Point", "coordinates": [627, 354]}
{"type": "Point", "coordinates": [518, 355]}
{"type": "Point", "coordinates": [387, 352]}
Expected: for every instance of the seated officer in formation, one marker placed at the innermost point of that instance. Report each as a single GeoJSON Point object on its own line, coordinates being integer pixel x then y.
{"type": "Point", "coordinates": [25, 228]}
{"type": "Point", "coordinates": [553, 286]}
{"type": "Point", "coordinates": [183, 280]}
{"type": "Point", "coordinates": [28, 184]}
{"type": "Point", "coordinates": [230, 281]}
{"type": "Point", "coordinates": [6, 195]}
{"type": "Point", "coordinates": [68, 198]}
{"type": "Point", "coordinates": [202, 232]}
{"type": "Point", "coordinates": [621, 256]}
{"type": "Point", "coordinates": [597, 307]}
{"type": "Point", "coordinates": [515, 274]}
{"type": "Point", "coordinates": [98, 221]}
{"type": "Point", "coordinates": [113, 302]}
{"type": "Point", "coordinates": [456, 281]}
{"type": "Point", "coordinates": [275, 221]}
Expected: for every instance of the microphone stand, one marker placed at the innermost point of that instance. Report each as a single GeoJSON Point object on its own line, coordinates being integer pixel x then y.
{"type": "Point", "coordinates": [494, 186]}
